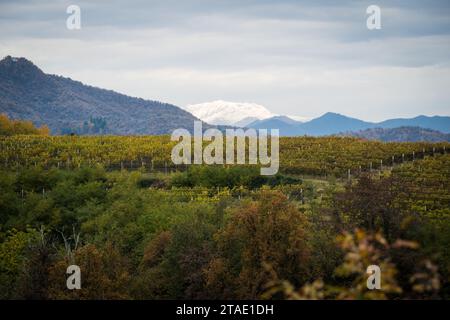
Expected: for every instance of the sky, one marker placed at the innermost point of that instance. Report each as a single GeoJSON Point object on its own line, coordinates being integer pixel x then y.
{"type": "Point", "coordinates": [302, 58]}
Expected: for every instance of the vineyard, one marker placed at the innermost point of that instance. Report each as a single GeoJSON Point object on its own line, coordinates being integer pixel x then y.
{"type": "Point", "coordinates": [299, 155]}
{"type": "Point", "coordinates": [141, 228]}
{"type": "Point", "coordinates": [428, 182]}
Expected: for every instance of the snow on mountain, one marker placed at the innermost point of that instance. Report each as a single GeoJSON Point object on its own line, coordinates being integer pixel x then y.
{"type": "Point", "coordinates": [228, 113]}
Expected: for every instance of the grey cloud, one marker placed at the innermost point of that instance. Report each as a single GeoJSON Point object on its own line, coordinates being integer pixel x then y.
{"type": "Point", "coordinates": [282, 54]}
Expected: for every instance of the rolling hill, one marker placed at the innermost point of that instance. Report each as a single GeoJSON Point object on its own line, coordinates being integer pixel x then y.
{"type": "Point", "coordinates": [412, 134]}
{"type": "Point", "coordinates": [65, 105]}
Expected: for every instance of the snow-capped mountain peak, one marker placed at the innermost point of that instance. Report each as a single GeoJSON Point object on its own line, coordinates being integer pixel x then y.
{"type": "Point", "coordinates": [228, 113]}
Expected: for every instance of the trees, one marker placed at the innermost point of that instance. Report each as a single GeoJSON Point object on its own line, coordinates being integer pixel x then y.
{"type": "Point", "coordinates": [13, 127]}
{"type": "Point", "coordinates": [362, 250]}
{"type": "Point", "coordinates": [261, 238]}
{"type": "Point", "coordinates": [374, 205]}
{"type": "Point", "coordinates": [104, 274]}
{"type": "Point", "coordinates": [12, 252]}
{"type": "Point", "coordinates": [174, 261]}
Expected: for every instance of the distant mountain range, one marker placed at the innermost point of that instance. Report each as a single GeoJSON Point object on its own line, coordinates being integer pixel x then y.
{"type": "Point", "coordinates": [237, 114]}
{"type": "Point", "coordinates": [251, 115]}
{"type": "Point", "coordinates": [333, 123]}
{"type": "Point", "coordinates": [68, 106]}
{"type": "Point", "coordinates": [412, 134]}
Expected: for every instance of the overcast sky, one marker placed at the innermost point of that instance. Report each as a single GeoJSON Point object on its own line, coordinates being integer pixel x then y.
{"type": "Point", "coordinates": [300, 58]}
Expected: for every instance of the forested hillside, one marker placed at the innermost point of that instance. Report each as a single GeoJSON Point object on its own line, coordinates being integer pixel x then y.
{"type": "Point", "coordinates": [69, 106]}
{"type": "Point", "coordinates": [412, 134]}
